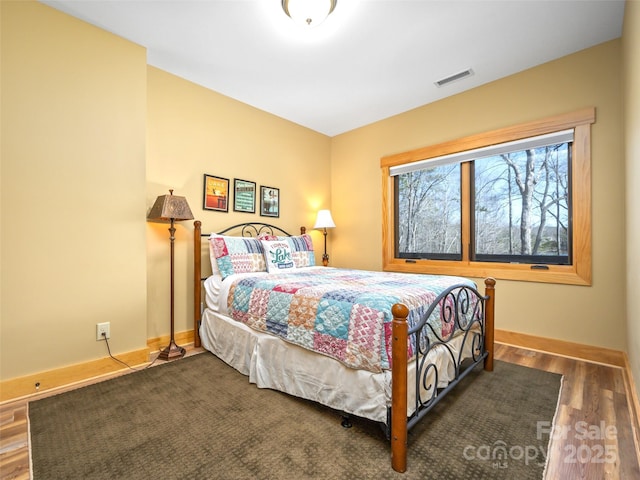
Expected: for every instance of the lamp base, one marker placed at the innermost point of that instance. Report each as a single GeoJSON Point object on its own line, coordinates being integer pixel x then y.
{"type": "Point", "coordinates": [172, 352]}
{"type": "Point", "coordinates": [325, 260]}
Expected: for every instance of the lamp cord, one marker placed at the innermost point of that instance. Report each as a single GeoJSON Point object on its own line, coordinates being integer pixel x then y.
{"type": "Point", "coordinates": [106, 340]}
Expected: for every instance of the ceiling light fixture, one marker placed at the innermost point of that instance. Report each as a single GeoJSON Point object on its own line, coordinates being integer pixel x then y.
{"type": "Point", "coordinates": [309, 13]}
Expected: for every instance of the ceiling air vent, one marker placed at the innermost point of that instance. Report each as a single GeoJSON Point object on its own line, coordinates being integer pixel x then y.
{"type": "Point", "coordinates": [454, 77]}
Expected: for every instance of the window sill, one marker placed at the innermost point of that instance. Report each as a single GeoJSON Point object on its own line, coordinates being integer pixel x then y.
{"type": "Point", "coordinates": [561, 274]}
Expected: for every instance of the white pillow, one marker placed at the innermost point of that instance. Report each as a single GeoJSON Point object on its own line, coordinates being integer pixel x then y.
{"type": "Point", "coordinates": [277, 254]}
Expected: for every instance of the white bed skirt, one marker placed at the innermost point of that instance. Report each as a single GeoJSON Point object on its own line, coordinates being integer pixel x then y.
{"type": "Point", "coordinates": [273, 363]}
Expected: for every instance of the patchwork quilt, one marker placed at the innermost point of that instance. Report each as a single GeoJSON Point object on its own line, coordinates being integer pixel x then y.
{"type": "Point", "coordinates": [345, 314]}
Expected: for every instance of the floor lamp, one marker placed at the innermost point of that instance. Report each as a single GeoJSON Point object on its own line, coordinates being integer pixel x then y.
{"type": "Point", "coordinates": [324, 221]}
{"type": "Point", "coordinates": [171, 208]}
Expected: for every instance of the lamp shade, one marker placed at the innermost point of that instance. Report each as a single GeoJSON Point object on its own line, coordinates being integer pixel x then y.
{"type": "Point", "coordinates": [324, 220]}
{"type": "Point", "coordinates": [170, 207]}
{"type": "Point", "coordinates": [308, 12]}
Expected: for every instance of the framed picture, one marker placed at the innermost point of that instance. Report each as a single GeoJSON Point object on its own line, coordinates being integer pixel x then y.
{"type": "Point", "coordinates": [269, 201]}
{"type": "Point", "coordinates": [216, 193]}
{"type": "Point", "coordinates": [244, 196]}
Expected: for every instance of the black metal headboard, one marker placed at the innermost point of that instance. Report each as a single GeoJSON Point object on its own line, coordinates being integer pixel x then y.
{"type": "Point", "coordinates": [253, 229]}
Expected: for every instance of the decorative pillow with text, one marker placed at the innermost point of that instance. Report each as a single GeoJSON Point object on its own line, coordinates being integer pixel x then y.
{"type": "Point", "coordinates": [278, 256]}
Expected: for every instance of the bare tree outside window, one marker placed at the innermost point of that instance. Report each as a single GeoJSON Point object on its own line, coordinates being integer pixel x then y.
{"type": "Point", "coordinates": [520, 208]}
{"type": "Point", "coordinates": [429, 213]}
{"type": "Point", "coordinates": [522, 205]}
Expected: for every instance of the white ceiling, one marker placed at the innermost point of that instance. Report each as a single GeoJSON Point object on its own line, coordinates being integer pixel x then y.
{"type": "Point", "coordinates": [369, 60]}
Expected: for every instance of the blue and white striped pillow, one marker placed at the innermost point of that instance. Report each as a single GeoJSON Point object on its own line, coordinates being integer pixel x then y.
{"type": "Point", "coordinates": [231, 255]}
{"type": "Point", "coordinates": [301, 250]}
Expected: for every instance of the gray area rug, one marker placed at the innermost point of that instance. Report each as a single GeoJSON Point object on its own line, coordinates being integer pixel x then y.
{"type": "Point", "coordinates": [197, 418]}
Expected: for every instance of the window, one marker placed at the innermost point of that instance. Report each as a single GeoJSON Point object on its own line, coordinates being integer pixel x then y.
{"type": "Point", "coordinates": [521, 210]}
{"type": "Point", "coordinates": [428, 221]}
{"type": "Point", "coordinates": [513, 203]}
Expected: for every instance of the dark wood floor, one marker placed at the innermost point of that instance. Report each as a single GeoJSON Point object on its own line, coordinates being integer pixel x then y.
{"type": "Point", "coordinates": [593, 436]}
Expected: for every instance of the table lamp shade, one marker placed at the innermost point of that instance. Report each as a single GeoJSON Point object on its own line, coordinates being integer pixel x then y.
{"type": "Point", "coordinates": [324, 219]}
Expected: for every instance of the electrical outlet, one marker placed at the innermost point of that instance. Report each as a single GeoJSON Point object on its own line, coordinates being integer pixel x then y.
{"type": "Point", "coordinates": [103, 328]}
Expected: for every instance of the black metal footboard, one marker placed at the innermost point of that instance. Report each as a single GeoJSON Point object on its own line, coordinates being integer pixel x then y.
{"type": "Point", "coordinates": [454, 333]}
{"type": "Point", "coordinates": [461, 312]}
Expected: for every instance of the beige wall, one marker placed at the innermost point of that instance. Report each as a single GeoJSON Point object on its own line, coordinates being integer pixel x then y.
{"type": "Point", "coordinates": [631, 55]}
{"type": "Point", "coordinates": [91, 136]}
{"type": "Point", "coordinates": [73, 190]}
{"type": "Point", "coordinates": [193, 131]}
{"type": "Point", "coordinates": [591, 315]}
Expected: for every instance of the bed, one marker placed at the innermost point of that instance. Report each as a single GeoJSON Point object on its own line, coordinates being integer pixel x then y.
{"type": "Point", "coordinates": [380, 345]}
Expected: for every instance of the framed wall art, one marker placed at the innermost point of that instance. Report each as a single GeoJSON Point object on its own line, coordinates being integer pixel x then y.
{"type": "Point", "coordinates": [216, 193]}
{"type": "Point", "coordinates": [269, 201]}
{"type": "Point", "coordinates": [244, 196]}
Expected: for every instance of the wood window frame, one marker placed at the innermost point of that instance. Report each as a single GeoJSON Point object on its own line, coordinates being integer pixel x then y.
{"type": "Point", "coordinates": [578, 273]}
